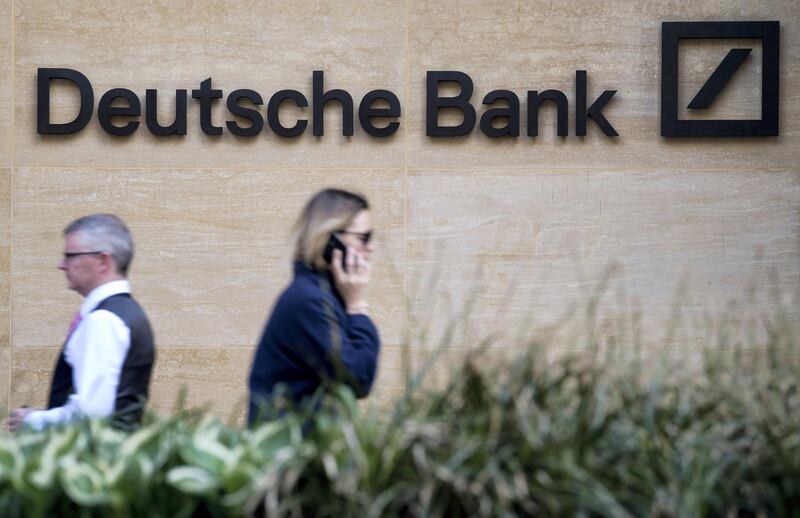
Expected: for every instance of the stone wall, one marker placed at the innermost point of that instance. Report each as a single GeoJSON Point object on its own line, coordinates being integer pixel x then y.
{"type": "Point", "coordinates": [533, 223]}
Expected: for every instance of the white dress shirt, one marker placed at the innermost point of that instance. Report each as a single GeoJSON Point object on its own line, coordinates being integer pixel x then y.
{"type": "Point", "coordinates": [96, 351]}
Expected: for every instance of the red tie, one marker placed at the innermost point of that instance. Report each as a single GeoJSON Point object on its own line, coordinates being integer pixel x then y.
{"type": "Point", "coordinates": [75, 321]}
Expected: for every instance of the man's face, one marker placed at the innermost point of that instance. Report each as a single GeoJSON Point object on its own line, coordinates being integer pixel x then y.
{"type": "Point", "coordinates": [83, 272]}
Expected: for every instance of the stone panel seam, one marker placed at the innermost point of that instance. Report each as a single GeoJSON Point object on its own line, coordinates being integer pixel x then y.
{"type": "Point", "coordinates": [254, 169]}
{"type": "Point", "coordinates": [412, 169]}
{"type": "Point", "coordinates": [176, 347]}
{"type": "Point", "coordinates": [11, 203]}
{"type": "Point", "coordinates": [407, 87]}
{"type": "Point", "coordinates": [593, 169]}
{"type": "Point", "coordinates": [13, 82]}
{"type": "Point", "coordinates": [205, 348]}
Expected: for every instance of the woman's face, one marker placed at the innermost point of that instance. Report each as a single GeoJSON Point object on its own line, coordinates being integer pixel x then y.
{"type": "Point", "coordinates": [356, 233]}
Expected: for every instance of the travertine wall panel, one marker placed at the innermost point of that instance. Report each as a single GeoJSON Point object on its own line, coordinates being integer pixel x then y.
{"type": "Point", "coordinates": [6, 82]}
{"type": "Point", "coordinates": [214, 377]}
{"type": "Point", "coordinates": [212, 246]}
{"type": "Point", "coordinates": [264, 46]}
{"type": "Point", "coordinates": [389, 385]}
{"type": "Point", "coordinates": [528, 228]}
{"type": "Point", "coordinates": [5, 377]}
{"type": "Point", "coordinates": [6, 160]}
{"type": "Point", "coordinates": [545, 240]}
{"type": "Point", "coordinates": [31, 372]}
{"type": "Point", "coordinates": [5, 256]}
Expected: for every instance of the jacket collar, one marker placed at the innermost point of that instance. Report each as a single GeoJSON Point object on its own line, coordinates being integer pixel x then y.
{"type": "Point", "coordinates": [319, 277]}
{"type": "Point", "coordinates": [300, 269]}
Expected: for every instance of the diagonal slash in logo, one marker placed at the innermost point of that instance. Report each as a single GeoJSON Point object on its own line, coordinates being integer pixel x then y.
{"type": "Point", "coordinates": [721, 76]}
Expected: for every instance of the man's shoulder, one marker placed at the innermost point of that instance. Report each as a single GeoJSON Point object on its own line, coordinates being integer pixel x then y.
{"type": "Point", "coordinates": [120, 301]}
{"type": "Point", "coordinates": [123, 306]}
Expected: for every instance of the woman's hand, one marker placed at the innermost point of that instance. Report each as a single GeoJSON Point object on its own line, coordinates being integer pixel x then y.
{"type": "Point", "coordinates": [352, 284]}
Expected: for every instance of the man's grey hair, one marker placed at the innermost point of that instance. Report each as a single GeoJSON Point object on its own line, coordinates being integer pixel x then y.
{"type": "Point", "coordinates": [105, 233]}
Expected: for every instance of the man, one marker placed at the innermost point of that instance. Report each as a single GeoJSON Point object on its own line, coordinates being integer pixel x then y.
{"type": "Point", "coordinates": [104, 368]}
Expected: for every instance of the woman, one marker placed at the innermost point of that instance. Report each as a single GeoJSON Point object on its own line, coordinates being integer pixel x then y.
{"type": "Point", "coordinates": [320, 331]}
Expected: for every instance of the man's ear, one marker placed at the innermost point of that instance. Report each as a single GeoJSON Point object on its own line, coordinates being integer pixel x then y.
{"type": "Point", "coordinates": [108, 264]}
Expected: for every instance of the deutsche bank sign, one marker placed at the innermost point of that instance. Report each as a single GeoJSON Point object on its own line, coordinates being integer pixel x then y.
{"type": "Point", "coordinates": [119, 110]}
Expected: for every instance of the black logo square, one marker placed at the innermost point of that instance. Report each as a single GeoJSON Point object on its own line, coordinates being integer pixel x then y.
{"type": "Point", "coordinates": [673, 32]}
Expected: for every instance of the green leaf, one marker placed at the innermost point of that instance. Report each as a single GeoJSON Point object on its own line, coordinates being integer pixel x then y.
{"type": "Point", "coordinates": [192, 480]}
{"type": "Point", "coordinates": [84, 483]}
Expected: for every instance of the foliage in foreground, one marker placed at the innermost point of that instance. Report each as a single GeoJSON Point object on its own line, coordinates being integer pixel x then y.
{"type": "Point", "coordinates": [579, 435]}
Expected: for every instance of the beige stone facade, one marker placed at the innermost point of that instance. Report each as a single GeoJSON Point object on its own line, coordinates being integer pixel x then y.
{"type": "Point", "coordinates": [541, 218]}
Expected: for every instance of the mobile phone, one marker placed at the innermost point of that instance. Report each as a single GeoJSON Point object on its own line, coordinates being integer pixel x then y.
{"type": "Point", "coordinates": [335, 243]}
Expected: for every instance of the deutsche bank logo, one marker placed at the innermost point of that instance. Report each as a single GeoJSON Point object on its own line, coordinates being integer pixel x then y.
{"type": "Point", "coordinates": [671, 35]}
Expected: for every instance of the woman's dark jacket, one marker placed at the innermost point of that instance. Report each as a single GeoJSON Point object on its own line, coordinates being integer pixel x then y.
{"type": "Point", "coordinates": [309, 340]}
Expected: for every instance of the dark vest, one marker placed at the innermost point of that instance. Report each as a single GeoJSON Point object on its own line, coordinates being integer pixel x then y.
{"type": "Point", "coordinates": [134, 379]}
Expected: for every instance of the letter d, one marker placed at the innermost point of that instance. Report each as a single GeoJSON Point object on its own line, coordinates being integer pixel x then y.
{"type": "Point", "coordinates": [43, 124]}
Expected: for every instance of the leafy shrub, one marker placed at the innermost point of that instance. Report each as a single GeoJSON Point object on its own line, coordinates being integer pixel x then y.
{"type": "Point", "coordinates": [584, 434]}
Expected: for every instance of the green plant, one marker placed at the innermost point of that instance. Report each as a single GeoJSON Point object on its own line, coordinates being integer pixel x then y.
{"type": "Point", "coordinates": [594, 433]}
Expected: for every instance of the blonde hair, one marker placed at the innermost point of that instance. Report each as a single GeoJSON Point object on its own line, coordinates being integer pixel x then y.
{"type": "Point", "coordinates": [327, 212]}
